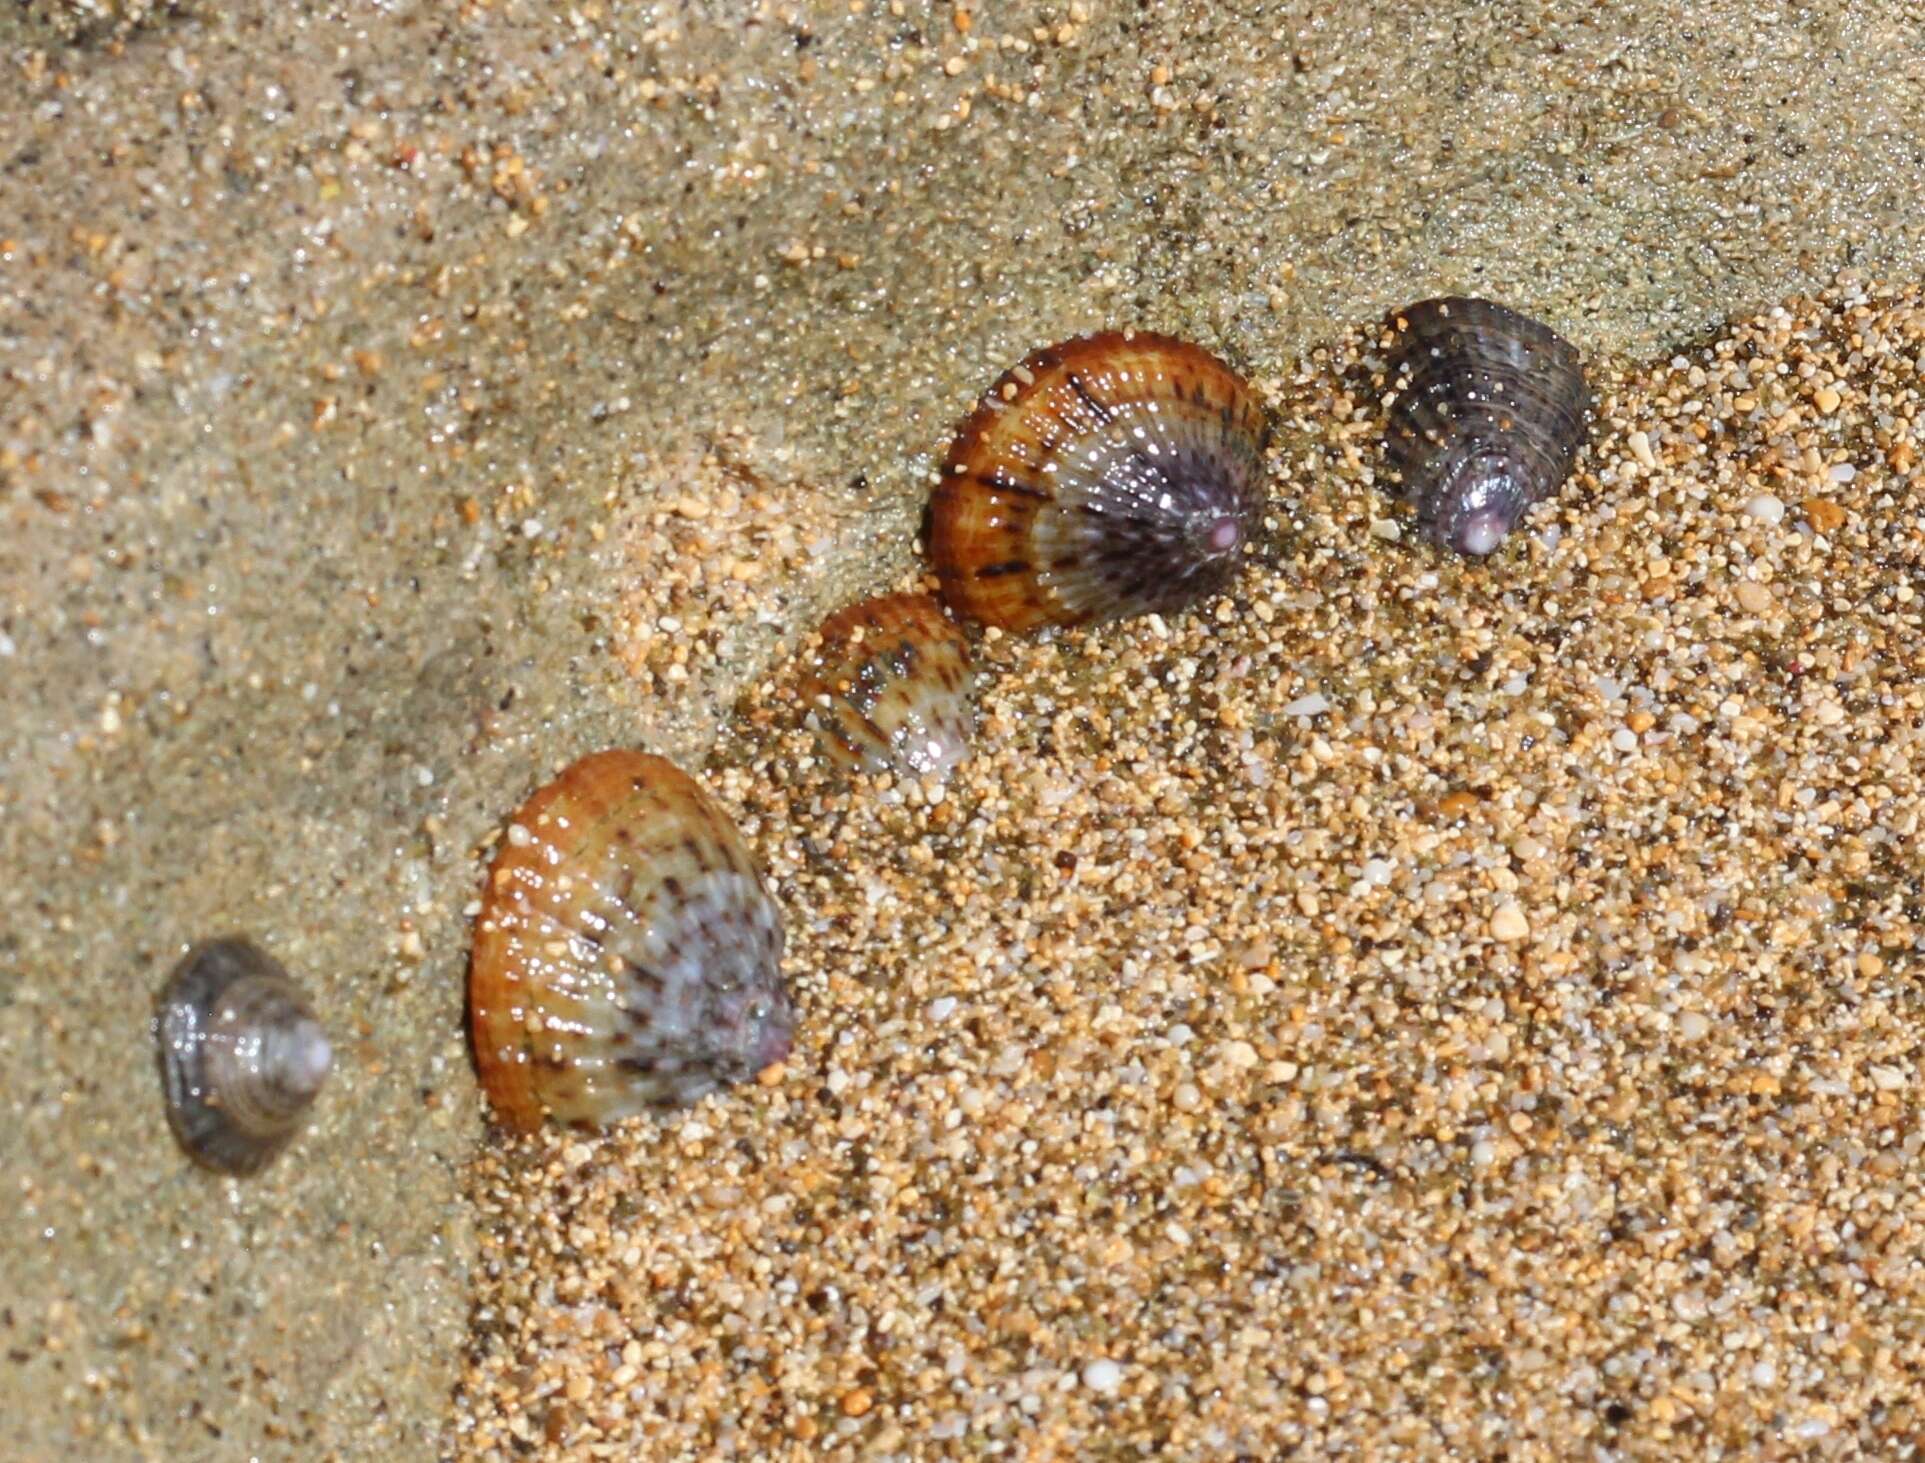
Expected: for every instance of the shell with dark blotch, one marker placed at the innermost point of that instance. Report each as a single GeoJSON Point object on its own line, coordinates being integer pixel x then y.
{"type": "Point", "coordinates": [888, 687]}
{"type": "Point", "coordinates": [1487, 417]}
{"type": "Point", "coordinates": [241, 1055]}
{"type": "Point", "coordinates": [1116, 474]}
{"type": "Point", "coordinates": [627, 955]}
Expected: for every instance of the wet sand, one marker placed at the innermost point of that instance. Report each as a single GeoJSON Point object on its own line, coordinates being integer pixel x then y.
{"type": "Point", "coordinates": [1406, 1006]}
{"type": "Point", "coordinates": [359, 371]}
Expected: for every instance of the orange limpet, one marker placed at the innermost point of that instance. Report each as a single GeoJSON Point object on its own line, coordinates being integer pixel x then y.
{"type": "Point", "coordinates": [1114, 474]}
{"type": "Point", "coordinates": [627, 955]}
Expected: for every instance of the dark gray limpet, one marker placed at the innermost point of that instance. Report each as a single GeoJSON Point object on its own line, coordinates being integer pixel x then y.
{"type": "Point", "coordinates": [241, 1055]}
{"type": "Point", "coordinates": [1486, 418]}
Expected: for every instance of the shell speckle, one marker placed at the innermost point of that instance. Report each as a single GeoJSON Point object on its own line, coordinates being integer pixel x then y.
{"type": "Point", "coordinates": [241, 1055]}
{"type": "Point", "coordinates": [1486, 419]}
{"type": "Point", "coordinates": [1115, 474]}
{"type": "Point", "coordinates": [627, 955]}
{"type": "Point", "coordinates": [888, 687]}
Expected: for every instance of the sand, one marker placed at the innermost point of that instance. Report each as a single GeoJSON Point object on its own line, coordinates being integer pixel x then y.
{"type": "Point", "coordinates": [1405, 1006]}
{"type": "Point", "coordinates": [359, 371]}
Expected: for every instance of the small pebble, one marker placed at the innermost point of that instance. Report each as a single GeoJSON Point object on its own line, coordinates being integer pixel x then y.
{"type": "Point", "coordinates": [1766, 508]}
{"type": "Point", "coordinates": [1312, 705]}
{"type": "Point", "coordinates": [1509, 924]}
{"type": "Point", "coordinates": [1103, 1377]}
{"type": "Point", "coordinates": [1825, 515]}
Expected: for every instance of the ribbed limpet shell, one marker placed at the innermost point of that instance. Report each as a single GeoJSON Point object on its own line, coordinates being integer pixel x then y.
{"type": "Point", "coordinates": [1115, 474]}
{"type": "Point", "coordinates": [1487, 417]}
{"type": "Point", "coordinates": [887, 687]}
{"type": "Point", "coordinates": [627, 955]}
{"type": "Point", "coordinates": [241, 1055]}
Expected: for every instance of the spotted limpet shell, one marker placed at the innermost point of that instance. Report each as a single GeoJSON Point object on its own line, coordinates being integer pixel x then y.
{"type": "Point", "coordinates": [241, 1055]}
{"type": "Point", "coordinates": [1115, 474]}
{"type": "Point", "coordinates": [1486, 418]}
{"type": "Point", "coordinates": [887, 687]}
{"type": "Point", "coordinates": [627, 955]}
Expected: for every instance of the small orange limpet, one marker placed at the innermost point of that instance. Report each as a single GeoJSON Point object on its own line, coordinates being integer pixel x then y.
{"type": "Point", "coordinates": [887, 687]}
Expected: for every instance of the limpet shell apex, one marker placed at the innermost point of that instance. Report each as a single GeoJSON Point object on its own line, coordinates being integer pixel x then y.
{"type": "Point", "coordinates": [1486, 419]}
{"type": "Point", "coordinates": [627, 955]}
{"type": "Point", "coordinates": [1115, 474]}
{"type": "Point", "coordinates": [887, 687]}
{"type": "Point", "coordinates": [241, 1055]}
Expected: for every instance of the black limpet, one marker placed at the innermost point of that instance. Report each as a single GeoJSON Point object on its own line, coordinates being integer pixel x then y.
{"type": "Point", "coordinates": [1487, 418]}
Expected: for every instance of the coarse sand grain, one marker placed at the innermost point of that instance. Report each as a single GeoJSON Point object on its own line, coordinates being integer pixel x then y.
{"type": "Point", "coordinates": [1407, 1005]}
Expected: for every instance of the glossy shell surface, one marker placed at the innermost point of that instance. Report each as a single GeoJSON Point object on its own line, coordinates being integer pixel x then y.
{"type": "Point", "coordinates": [241, 1055]}
{"type": "Point", "coordinates": [1115, 474]}
{"type": "Point", "coordinates": [627, 955]}
{"type": "Point", "coordinates": [888, 687]}
{"type": "Point", "coordinates": [1487, 417]}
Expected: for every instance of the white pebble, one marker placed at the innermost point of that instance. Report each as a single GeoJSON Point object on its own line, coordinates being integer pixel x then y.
{"type": "Point", "coordinates": [1766, 509]}
{"type": "Point", "coordinates": [1103, 1376]}
{"type": "Point", "coordinates": [1509, 923]}
{"type": "Point", "coordinates": [1693, 1025]}
{"type": "Point", "coordinates": [942, 1008]}
{"type": "Point", "coordinates": [1844, 472]}
{"type": "Point", "coordinates": [1314, 704]}
{"type": "Point", "coordinates": [1624, 739]}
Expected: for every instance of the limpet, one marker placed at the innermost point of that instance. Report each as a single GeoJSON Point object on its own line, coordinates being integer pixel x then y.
{"type": "Point", "coordinates": [1487, 417]}
{"type": "Point", "coordinates": [1114, 474]}
{"type": "Point", "coordinates": [888, 687]}
{"type": "Point", "coordinates": [241, 1055]}
{"type": "Point", "coordinates": [627, 955]}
